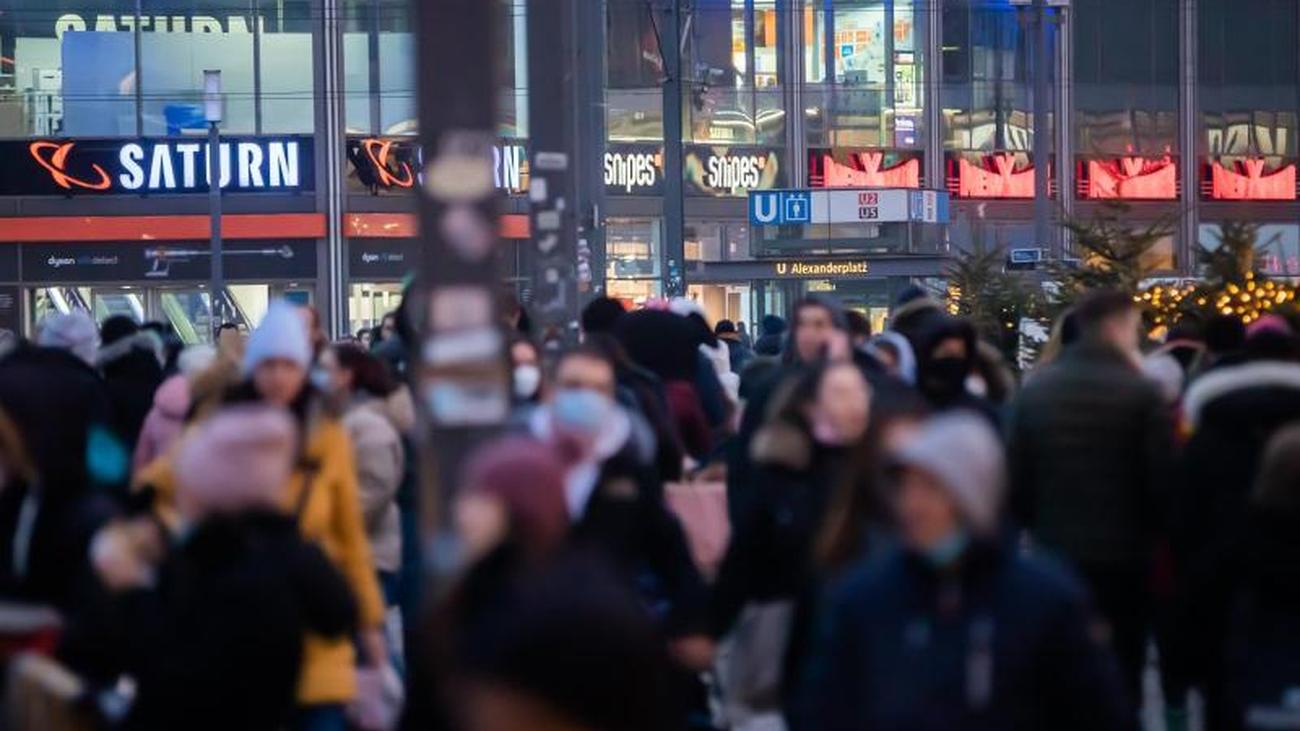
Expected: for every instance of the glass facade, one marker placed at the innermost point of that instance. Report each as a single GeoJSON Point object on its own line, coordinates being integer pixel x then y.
{"type": "Point", "coordinates": [121, 68]}
{"type": "Point", "coordinates": [987, 58]}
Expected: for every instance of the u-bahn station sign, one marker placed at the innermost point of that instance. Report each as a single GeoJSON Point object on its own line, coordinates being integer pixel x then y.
{"type": "Point", "coordinates": [881, 221]}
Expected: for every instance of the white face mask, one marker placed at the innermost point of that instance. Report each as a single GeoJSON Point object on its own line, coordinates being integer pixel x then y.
{"type": "Point", "coordinates": [527, 379]}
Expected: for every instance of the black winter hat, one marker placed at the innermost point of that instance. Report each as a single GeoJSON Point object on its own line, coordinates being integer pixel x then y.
{"type": "Point", "coordinates": [116, 328]}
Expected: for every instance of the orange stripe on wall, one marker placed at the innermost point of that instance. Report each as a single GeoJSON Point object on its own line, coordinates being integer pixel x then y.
{"type": "Point", "coordinates": [161, 228]}
{"type": "Point", "coordinates": [405, 226]}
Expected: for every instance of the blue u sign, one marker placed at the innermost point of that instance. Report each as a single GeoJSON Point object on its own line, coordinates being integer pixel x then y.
{"type": "Point", "coordinates": [773, 208]}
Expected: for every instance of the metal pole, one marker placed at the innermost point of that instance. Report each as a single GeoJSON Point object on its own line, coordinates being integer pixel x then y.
{"type": "Point", "coordinates": [218, 283]}
{"type": "Point", "coordinates": [1042, 151]}
{"type": "Point", "coordinates": [458, 372]}
{"type": "Point", "coordinates": [670, 40]}
{"type": "Point", "coordinates": [555, 159]}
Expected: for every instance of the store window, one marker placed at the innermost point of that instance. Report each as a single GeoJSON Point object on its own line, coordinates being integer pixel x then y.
{"type": "Point", "coordinates": [1248, 77]}
{"type": "Point", "coordinates": [634, 73]}
{"type": "Point", "coordinates": [986, 75]}
{"type": "Point", "coordinates": [67, 69]}
{"type": "Point", "coordinates": [1126, 77]}
{"type": "Point", "coordinates": [1277, 247]}
{"type": "Point", "coordinates": [732, 73]}
{"type": "Point", "coordinates": [717, 241]}
{"type": "Point", "coordinates": [379, 68]}
{"type": "Point", "coordinates": [123, 68]}
{"type": "Point", "coordinates": [633, 249]}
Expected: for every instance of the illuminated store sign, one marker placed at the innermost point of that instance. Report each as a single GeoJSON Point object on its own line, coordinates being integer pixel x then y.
{"type": "Point", "coordinates": [1000, 175]}
{"type": "Point", "coordinates": [387, 165]}
{"type": "Point", "coordinates": [843, 206]}
{"type": "Point", "coordinates": [1251, 179]}
{"type": "Point", "coordinates": [863, 169]}
{"type": "Point", "coordinates": [154, 166]}
{"type": "Point", "coordinates": [634, 169]}
{"type": "Point", "coordinates": [731, 171]}
{"type": "Point", "coordinates": [1131, 177]}
{"type": "Point", "coordinates": [821, 268]}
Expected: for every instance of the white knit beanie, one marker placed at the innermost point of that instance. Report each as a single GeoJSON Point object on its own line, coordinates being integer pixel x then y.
{"type": "Point", "coordinates": [281, 335]}
{"type": "Point", "coordinates": [72, 331]}
{"type": "Point", "coordinates": [965, 455]}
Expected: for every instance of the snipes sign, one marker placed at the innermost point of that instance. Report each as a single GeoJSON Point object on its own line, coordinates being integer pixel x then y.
{"type": "Point", "coordinates": [65, 167]}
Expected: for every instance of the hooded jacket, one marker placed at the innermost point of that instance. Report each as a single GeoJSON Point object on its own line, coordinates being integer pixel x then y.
{"type": "Point", "coordinates": [132, 368]}
{"type": "Point", "coordinates": [1003, 644]}
{"type": "Point", "coordinates": [165, 422]}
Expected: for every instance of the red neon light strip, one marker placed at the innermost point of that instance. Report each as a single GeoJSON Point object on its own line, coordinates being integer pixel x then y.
{"type": "Point", "coordinates": [1254, 185]}
{"type": "Point", "coordinates": [1133, 178]}
{"type": "Point", "coordinates": [839, 175]}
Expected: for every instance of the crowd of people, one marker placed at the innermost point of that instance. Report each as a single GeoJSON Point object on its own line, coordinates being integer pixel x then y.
{"type": "Point", "coordinates": [685, 524]}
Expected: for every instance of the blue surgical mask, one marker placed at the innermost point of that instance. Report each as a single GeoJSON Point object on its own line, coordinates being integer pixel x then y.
{"type": "Point", "coordinates": [946, 552]}
{"type": "Point", "coordinates": [580, 411]}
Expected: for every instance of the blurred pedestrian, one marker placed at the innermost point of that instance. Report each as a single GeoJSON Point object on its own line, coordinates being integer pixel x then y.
{"type": "Point", "coordinates": [1089, 443]}
{"type": "Point", "coordinates": [171, 406]}
{"type": "Point", "coordinates": [322, 493]}
{"type": "Point", "coordinates": [859, 328]}
{"type": "Point", "coordinates": [745, 338]}
{"type": "Point", "coordinates": [768, 578]}
{"type": "Point", "coordinates": [956, 631]}
{"type": "Point", "coordinates": [1230, 413]}
{"type": "Point", "coordinates": [526, 370]}
{"type": "Point", "coordinates": [1263, 639]}
{"type": "Point", "coordinates": [230, 342]}
{"type": "Point", "coordinates": [376, 413]}
{"type": "Point", "coordinates": [946, 354]}
{"type": "Point", "coordinates": [132, 362]}
{"type": "Point", "coordinates": [895, 355]}
{"type": "Point", "coordinates": [738, 353]}
{"type": "Point", "coordinates": [771, 336]}
{"type": "Point", "coordinates": [210, 629]}
{"type": "Point", "coordinates": [60, 408]}
{"type": "Point", "coordinates": [615, 507]}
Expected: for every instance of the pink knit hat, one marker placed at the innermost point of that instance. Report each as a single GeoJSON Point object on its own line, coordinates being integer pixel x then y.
{"type": "Point", "coordinates": [1269, 323]}
{"type": "Point", "coordinates": [239, 458]}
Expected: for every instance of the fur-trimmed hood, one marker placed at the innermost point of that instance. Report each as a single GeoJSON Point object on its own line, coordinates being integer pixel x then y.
{"type": "Point", "coordinates": [1219, 383]}
{"type": "Point", "coordinates": [144, 340]}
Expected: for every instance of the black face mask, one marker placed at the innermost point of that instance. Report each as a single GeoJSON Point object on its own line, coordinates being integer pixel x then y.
{"type": "Point", "coordinates": [944, 379]}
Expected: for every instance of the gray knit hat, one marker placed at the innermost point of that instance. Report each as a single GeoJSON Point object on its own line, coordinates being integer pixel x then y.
{"type": "Point", "coordinates": [964, 454]}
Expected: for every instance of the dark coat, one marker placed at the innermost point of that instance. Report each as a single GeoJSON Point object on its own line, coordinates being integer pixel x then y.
{"type": "Point", "coordinates": [770, 557]}
{"type": "Point", "coordinates": [44, 541]}
{"type": "Point", "coordinates": [1263, 652]}
{"type": "Point", "coordinates": [1005, 645]}
{"type": "Point", "coordinates": [1089, 454]}
{"type": "Point", "coordinates": [738, 353]}
{"type": "Point", "coordinates": [218, 644]}
{"type": "Point", "coordinates": [132, 374]}
{"type": "Point", "coordinates": [626, 522]}
{"type": "Point", "coordinates": [55, 399]}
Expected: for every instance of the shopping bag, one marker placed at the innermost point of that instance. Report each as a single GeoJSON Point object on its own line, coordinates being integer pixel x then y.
{"type": "Point", "coordinates": [700, 503]}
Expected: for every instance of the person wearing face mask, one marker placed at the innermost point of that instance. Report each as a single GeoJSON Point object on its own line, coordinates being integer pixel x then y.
{"type": "Point", "coordinates": [768, 579]}
{"type": "Point", "coordinates": [614, 503]}
{"type": "Point", "coordinates": [1090, 448]}
{"type": "Point", "coordinates": [323, 495]}
{"type": "Point", "coordinates": [526, 379]}
{"type": "Point", "coordinates": [945, 361]}
{"type": "Point", "coordinates": [955, 630]}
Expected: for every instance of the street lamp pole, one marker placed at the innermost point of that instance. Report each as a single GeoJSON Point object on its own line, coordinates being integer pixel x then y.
{"type": "Point", "coordinates": [212, 108]}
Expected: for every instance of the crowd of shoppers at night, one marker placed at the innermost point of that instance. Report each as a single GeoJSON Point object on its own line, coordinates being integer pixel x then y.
{"type": "Point", "coordinates": [685, 524]}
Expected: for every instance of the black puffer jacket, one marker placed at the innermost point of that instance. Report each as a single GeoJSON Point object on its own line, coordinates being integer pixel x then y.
{"type": "Point", "coordinates": [218, 644]}
{"type": "Point", "coordinates": [132, 373]}
{"type": "Point", "coordinates": [1089, 455]}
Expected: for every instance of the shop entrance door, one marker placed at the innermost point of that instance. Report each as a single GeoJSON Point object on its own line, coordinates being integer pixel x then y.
{"type": "Point", "coordinates": [100, 303]}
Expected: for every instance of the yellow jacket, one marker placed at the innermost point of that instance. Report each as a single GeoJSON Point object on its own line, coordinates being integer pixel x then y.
{"type": "Point", "coordinates": [330, 517]}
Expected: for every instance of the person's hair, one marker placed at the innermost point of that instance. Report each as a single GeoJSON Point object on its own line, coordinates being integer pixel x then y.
{"type": "Point", "coordinates": [1224, 334]}
{"type": "Point", "coordinates": [369, 374]}
{"type": "Point", "coordinates": [857, 503]}
{"type": "Point", "coordinates": [224, 327]}
{"type": "Point", "coordinates": [364, 332]}
{"type": "Point", "coordinates": [13, 452]}
{"type": "Point", "coordinates": [1100, 306]}
{"type": "Point", "coordinates": [859, 325]}
{"type": "Point", "coordinates": [723, 327]}
{"type": "Point", "coordinates": [602, 315]}
{"type": "Point", "coordinates": [601, 352]}
{"type": "Point", "coordinates": [521, 339]}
